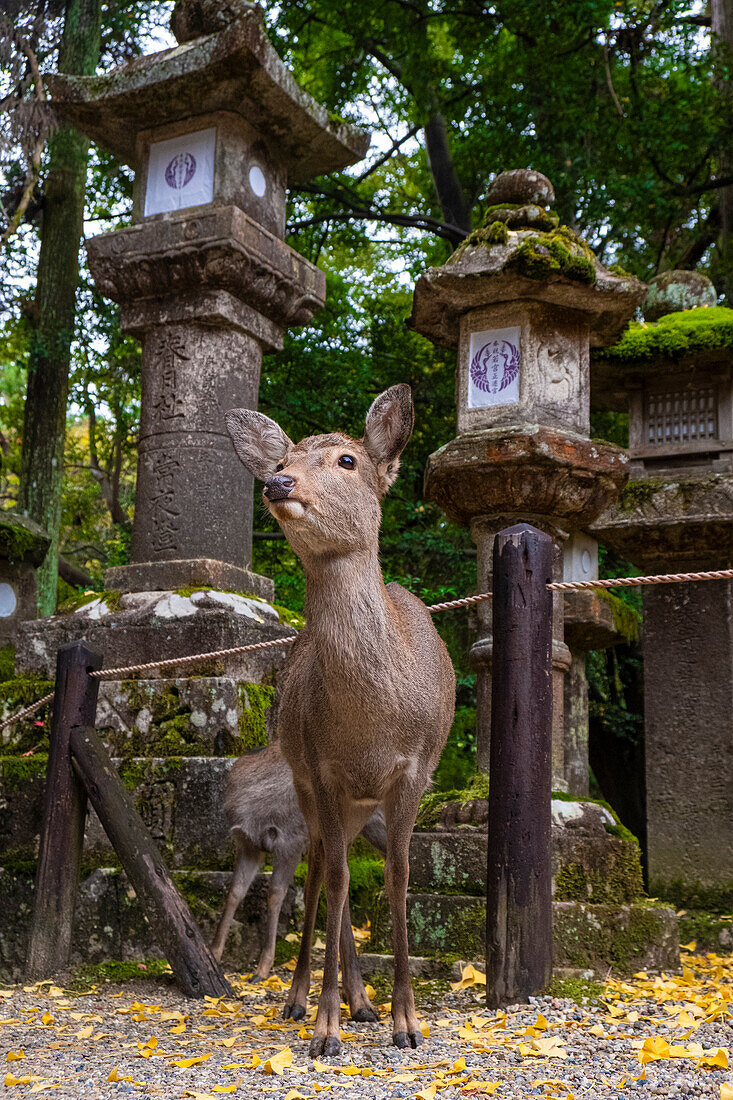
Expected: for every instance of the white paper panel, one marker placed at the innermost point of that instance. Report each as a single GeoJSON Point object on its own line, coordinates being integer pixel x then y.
{"type": "Point", "coordinates": [180, 172]}
{"type": "Point", "coordinates": [493, 368]}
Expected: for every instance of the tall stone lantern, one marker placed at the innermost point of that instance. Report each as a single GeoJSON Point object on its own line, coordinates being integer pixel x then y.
{"type": "Point", "coordinates": [216, 129]}
{"type": "Point", "coordinates": [675, 378]}
{"type": "Point", "coordinates": [523, 300]}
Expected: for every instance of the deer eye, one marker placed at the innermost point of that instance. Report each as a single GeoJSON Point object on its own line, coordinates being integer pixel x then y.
{"type": "Point", "coordinates": [280, 466]}
{"type": "Point", "coordinates": [347, 462]}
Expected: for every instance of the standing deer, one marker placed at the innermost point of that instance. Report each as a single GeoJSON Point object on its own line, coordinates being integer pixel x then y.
{"type": "Point", "coordinates": [262, 812]}
{"type": "Point", "coordinates": [369, 690]}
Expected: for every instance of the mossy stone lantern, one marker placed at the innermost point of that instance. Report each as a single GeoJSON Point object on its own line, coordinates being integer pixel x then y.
{"type": "Point", "coordinates": [216, 129]}
{"type": "Point", "coordinates": [522, 300]}
{"type": "Point", "coordinates": [675, 378]}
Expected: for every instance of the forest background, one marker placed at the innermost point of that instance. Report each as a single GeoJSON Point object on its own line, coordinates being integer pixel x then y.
{"type": "Point", "coordinates": [624, 104]}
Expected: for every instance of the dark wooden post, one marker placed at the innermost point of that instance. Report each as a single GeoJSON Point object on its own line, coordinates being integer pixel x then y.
{"type": "Point", "coordinates": [519, 882]}
{"type": "Point", "coordinates": [64, 808]}
{"type": "Point", "coordinates": [171, 924]}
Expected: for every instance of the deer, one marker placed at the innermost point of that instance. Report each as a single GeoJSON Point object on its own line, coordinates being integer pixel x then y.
{"type": "Point", "coordinates": [368, 691]}
{"type": "Point", "coordinates": [263, 815]}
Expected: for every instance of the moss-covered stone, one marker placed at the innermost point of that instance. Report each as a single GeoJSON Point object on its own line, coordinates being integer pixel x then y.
{"type": "Point", "coordinates": [254, 702]}
{"type": "Point", "coordinates": [560, 252]}
{"type": "Point", "coordinates": [709, 931]}
{"type": "Point", "coordinates": [29, 733]}
{"type": "Point", "coordinates": [521, 216]}
{"type": "Point", "coordinates": [674, 336]}
{"type": "Point", "coordinates": [7, 662]}
{"type": "Point", "coordinates": [638, 493]}
{"type": "Point", "coordinates": [21, 539]}
{"type": "Point", "coordinates": [695, 895]}
{"type": "Point", "coordinates": [617, 880]}
{"type": "Point", "coordinates": [17, 772]}
{"type": "Point", "coordinates": [626, 619]}
{"type": "Point", "coordinates": [620, 938]}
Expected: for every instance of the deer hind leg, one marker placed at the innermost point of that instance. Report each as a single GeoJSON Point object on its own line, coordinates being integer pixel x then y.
{"type": "Point", "coordinates": [402, 806]}
{"type": "Point", "coordinates": [352, 982]}
{"type": "Point", "coordinates": [247, 866]}
{"type": "Point", "coordinates": [283, 872]}
{"type": "Point", "coordinates": [297, 999]}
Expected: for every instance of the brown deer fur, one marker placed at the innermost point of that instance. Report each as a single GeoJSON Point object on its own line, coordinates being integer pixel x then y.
{"type": "Point", "coordinates": [368, 694]}
{"type": "Point", "coordinates": [263, 815]}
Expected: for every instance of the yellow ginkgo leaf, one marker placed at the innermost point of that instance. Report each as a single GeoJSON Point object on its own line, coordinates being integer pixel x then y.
{"type": "Point", "coordinates": [688, 946]}
{"type": "Point", "coordinates": [14, 1055]}
{"type": "Point", "coordinates": [713, 1059]}
{"type": "Point", "coordinates": [425, 1030]}
{"type": "Point", "coordinates": [427, 1093]}
{"type": "Point", "coordinates": [225, 1088]}
{"type": "Point", "coordinates": [469, 976]}
{"type": "Point", "coordinates": [654, 1049]}
{"type": "Point", "coordinates": [47, 1018]}
{"type": "Point", "coordinates": [11, 1080]}
{"type": "Point", "coordinates": [186, 1063]}
{"type": "Point", "coordinates": [85, 1032]}
{"type": "Point", "coordinates": [115, 1076]}
{"type": "Point", "coordinates": [279, 1062]}
{"type": "Point", "coordinates": [295, 1095]}
{"type": "Point", "coordinates": [726, 1091]}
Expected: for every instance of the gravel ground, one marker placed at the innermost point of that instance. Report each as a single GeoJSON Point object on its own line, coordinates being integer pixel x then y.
{"type": "Point", "coordinates": [135, 1034]}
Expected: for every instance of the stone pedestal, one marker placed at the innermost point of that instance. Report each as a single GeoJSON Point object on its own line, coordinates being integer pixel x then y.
{"type": "Point", "coordinates": [600, 918]}
{"type": "Point", "coordinates": [670, 526]}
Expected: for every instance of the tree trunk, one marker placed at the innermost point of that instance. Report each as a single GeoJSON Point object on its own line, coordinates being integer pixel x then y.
{"type": "Point", "coordinates": [456, 210]}
{"type": "Point", "coordinates": [57, 278]}
{"type": "Point", "coordinates": [721, 12]}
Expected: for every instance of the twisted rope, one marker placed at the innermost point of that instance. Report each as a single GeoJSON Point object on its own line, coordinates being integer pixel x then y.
{"type": "Point", "coordinates": [26, 713]}
{"type": "Point", "coordinates": [655, 578]}
{"type": "Point", "coordinates": [447, 605]}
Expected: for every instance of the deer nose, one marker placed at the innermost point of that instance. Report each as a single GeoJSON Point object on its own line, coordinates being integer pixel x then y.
{"type": "Point", "coordinates": [279, 487]}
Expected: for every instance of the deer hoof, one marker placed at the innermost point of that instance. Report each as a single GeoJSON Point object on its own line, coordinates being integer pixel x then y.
{"type": "Point", "coordinates": [324, 1047]}
{"type": "Point", "coordinates": [294, 1012]}
{"type": "Point", "coordinates": [255, 979]}
{"type": "Point", "coordinates": [333, 1046]}
{"type": "Point", "coordinates": [365, 1016]}
{"type": "Point", "coordinates": [404, 1039]}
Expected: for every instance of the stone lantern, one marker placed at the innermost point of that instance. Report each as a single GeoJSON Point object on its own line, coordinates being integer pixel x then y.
{"type": "Point", "coordinates": [675, 378]}
{"type": "Point", "coordinates": [216, 129]}
{"type": "Point", "coordinates": [23, 546]}
{"type": "Point", "coordinates": [523, 300]}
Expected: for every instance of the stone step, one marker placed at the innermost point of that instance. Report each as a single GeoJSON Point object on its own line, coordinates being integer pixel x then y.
{"type": "Point", "coordinates": [588, 863]}
{"type": "Point", "coordinates": [620, 938]}
{"type": "Point", "coordinates": [179, 799]}
{"type": "Point", "coordinates": [110, 923]}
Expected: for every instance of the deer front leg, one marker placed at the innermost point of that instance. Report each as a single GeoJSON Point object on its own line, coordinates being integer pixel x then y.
{"type": "Point", "coordinates": [297, 999]}
{"type": "Point", "coordinates": [402, 806]}
{"type": "Point", "coordinates": [283, 872]}
{"type": "Point", "coordinates": [248, 862]}
{"type": "Point", "coordinates": [355, 994]}
{"type": "Point", "coordinates": [326, 1033]}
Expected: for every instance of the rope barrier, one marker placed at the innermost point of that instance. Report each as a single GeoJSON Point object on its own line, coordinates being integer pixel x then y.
{"type": "Point", "coordinates": [655, 578]}
{"type": "Point", "coordinates": [447, 605]}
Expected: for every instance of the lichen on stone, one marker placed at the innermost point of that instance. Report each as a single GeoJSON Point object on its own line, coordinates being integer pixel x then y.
{"type": "Point", "coordinates": [674, 335]}
{"type": "Point", "coordinates": [254, 702]}
{"type": "Point", "coordinates": [526, 216]}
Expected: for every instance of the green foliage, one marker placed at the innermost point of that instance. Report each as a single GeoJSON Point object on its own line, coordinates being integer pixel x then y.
{"type": "Point", "coordinates": [7, 662]}
{"type": "Point", "coordinates": [583, 991]}
{"type": "Point", "coordinates": [675, 335]}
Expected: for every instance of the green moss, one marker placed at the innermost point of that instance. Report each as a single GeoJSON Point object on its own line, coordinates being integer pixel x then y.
{"type": "Point", "coordinates": [583, 992]}
{"type": "Point", "coordinates": [617, 269]}
{"type": "Point", "coordinates": [561, 252]}
{"type": "Point", "coordinates": [16, 772]}
{"type": "Point", "coordinates": [137, 773]}
{"type": "Point", "coordinates": [617, 829]}
{"type": "Point", "coordinates": [254, 702]}
{"type": "Point", "coordinates": [638, 493]}
{"type": "Point", "coordinates": [521, 216]}
{"type": "Point", "coordinates": [626, 619]}
{"type": "Point", "coordinates": [290, 618]}
{"type": "Point", "coordinates": [78, 599]}
{"type": "Point", "coordinates": [675, 335]}
{"type": "Point", "coordinates": [86, 977]}
{"type": "Point", "coordinates": [710, 931]}
{"type": "Point", "coordinates": [7, 663]}
{"type": "Point", "coordinates": [695, 895]}
{"type": "Point", "coordinates": [602, 936]}
{"type": "Point", "coordinates": [496, 233]}
{"type": "Point", "coordinates": [618, 880]}
{"type": "Point", "coordinates": [16, 541]}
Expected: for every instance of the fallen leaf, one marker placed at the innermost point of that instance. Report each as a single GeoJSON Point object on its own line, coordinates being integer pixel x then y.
{"type": "Point", "coordinates": [713, 1059]}
{"type": "Point", "coordinates": [469, 976]}
{"type": "Point", "coordinates": [115, 1076]}
{"type": "Point", "coordinates": [14, 1055]}
{"type": "Point", "coordinates": [726, 1091]}
{"type": "Point", "coordinates": [186, 1063]}
{"type": "Point", "coordinates": [427, 1093]}
{"type": "Point", "coordinates": [279, 1062]}
{"type": "Point", "coordinates": [11, 1080]}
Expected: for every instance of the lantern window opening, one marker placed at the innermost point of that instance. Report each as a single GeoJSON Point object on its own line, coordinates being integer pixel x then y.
{"type": "Point", "coordinates": [681, 415]}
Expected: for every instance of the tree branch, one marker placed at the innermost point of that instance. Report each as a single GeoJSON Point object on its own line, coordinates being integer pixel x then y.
{"type": "Point", "coordinates": [34, 167]}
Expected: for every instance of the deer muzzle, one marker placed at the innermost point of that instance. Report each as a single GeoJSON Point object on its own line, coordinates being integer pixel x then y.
{"type": "Point", "coordinates": [279, 487]}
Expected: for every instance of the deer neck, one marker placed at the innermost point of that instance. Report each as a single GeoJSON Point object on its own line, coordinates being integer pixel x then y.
{"type": "Point", "coordinates": [347, 608]}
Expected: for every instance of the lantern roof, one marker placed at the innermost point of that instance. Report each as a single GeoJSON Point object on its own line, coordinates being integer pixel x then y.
{"type": "Point", "coordinates": [523, 253]}
{"type": "Point", "coordinates": [235, 70]}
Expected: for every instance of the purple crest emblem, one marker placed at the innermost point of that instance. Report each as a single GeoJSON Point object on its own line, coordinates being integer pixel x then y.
{"type": "Point", "coordinates": [495, 366]}
{"type": "Point", "coordinates": [180, 170]}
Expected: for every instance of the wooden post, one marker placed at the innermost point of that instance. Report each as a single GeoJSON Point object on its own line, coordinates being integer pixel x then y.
{"type": "Point", "coordinates": [64, 808]}
{"type": "Point", "coordinates": [172, 926]}
{"type": "Point", "coordinates": [519, 882]}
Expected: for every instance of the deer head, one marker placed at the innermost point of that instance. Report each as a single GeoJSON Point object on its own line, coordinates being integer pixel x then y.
{"type": "Point", "coordinates": [325, 491]}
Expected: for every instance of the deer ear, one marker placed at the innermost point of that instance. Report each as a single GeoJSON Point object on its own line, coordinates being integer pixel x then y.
{"type": "Point", "coordinates": [389, 425]}
{"type": "Point", "coordinates": [259, 442]}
